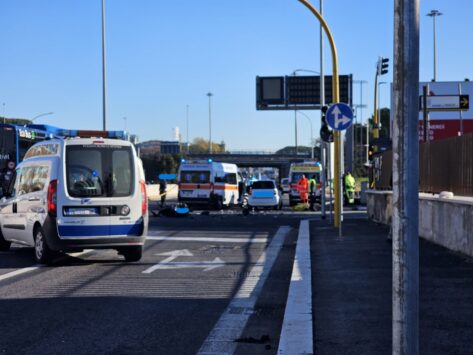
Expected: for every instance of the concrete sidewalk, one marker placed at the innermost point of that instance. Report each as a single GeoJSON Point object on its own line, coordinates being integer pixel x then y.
{"type": "Point", "coordinates": [352, 299]}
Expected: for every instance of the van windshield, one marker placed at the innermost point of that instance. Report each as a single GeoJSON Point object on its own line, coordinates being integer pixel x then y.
{"type": "Point", "coordinates": [100, 171]}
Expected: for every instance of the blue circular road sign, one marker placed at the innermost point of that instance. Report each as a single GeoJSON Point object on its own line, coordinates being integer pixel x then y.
{"type": "Point", "coordinates": [339, 116]}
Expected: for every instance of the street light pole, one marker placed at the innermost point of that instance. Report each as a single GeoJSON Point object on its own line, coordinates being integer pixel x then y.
{"type": "Point", "coordinates": [434, 14]}
{"type": "Point", "coordinates": [104, 92]}
{"type": "Point", "coordinates": [187, 128]}
{"type": "Point", "coordinates": [210, 122]}
{"type": "Point", "coordinates": [294, 73]}
{"type": "Point", "coordinates": [41, 115]}
{"type": "Point", "coordinates": [124, 119]}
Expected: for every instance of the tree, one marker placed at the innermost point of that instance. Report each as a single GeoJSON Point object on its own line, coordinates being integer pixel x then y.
{"type": "Point", "coordinates": [156, 163]}
{"type": "Point", "coordinates": [201, 146]}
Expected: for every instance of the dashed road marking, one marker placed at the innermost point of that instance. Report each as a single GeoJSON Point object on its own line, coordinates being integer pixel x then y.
{"type": "Point", "coordinates": [32, 268]}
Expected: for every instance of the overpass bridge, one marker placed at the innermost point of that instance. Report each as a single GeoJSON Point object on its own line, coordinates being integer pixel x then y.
{"type": "Point", "coordinates": [282, 162]}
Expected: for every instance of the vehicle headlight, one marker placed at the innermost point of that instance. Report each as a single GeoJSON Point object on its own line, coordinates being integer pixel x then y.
{"type": "Point", "coordinates": [125, 210]}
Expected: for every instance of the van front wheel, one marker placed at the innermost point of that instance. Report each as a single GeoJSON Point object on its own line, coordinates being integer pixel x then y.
{"type": "Point", "coordinates": [4, 245]}
{"type": "Point", "coordinates": [43, 254]}
{"type": "Point", "coordinates": [133, 253]}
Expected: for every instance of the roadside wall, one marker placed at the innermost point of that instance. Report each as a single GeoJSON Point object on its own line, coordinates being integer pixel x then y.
{"type": "Point", "coordinates": [444, 221]}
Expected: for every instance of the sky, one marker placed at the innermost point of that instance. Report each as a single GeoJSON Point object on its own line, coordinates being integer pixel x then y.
{"type": "Point", "coordinates": [163, 57]}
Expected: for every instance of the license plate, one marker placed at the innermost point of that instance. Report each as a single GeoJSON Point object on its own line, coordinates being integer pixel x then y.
{"type": "Point", "coordinates": [81, 211]}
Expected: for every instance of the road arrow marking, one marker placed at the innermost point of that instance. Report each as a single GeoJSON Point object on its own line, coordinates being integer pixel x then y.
{"type": "Point", "coordinates": [168, 264]}
{"type": "Point", "coordinates": [336, 114]}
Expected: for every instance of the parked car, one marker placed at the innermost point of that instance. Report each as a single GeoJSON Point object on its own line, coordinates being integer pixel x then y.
{"type": "Point", "coordinates": [266, 194]}
{"type": "Point", "coordinates": [285, 185]}
{"type": "Point", "coordinates": [72, 194]}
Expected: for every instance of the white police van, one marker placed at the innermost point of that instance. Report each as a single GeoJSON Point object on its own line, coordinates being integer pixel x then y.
{"type": "Point", "coordinates": [76, 193]}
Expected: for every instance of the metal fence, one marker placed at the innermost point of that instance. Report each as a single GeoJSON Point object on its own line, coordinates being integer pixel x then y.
{"type": "Point", "coordinates": [444, 165]}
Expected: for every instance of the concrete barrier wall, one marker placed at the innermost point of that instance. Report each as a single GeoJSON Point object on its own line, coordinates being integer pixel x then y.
{"type": "Point", "coordinates": [444, 221]}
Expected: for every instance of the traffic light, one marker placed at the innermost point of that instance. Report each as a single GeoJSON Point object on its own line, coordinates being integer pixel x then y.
{"type": "Point", "coordinates": [326, 133]}
{"type": "Point", "coordinates": [383, 64]}
{"type": "Point", "coordinates": [370, 152]}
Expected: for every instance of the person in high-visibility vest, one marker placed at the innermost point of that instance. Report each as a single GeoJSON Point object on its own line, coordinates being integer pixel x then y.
{"type": "Point", "coordinates": [303, 187]}
{"type": "Point", "coordinates": [312, 190]}
{"type": "Point", "coordinates": [349, 188]}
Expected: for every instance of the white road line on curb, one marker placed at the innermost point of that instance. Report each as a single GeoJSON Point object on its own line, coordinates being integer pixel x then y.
{"type": "Point", "coordinates": [296, 333]}
{"type": "Point", "coordinates": [232, 322]}
{"type": "Point", "coordinates": [209, 239]}
{"type": "Point", "coordinates": [32, 268]}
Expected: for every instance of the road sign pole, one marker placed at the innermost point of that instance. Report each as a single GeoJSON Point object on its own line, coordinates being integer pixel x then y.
{"type": "Point", "coordinates": [336, 98]}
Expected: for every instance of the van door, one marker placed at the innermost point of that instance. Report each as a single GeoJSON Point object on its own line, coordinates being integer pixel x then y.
{"type": "Point", "coordinates": [83, 202]}
{"type": "Point", "coordinates": [31, 202]}
{"type": "Point", "coordinates": [13, 224]}
{"type": "Point", "coordinates": [103, 192]}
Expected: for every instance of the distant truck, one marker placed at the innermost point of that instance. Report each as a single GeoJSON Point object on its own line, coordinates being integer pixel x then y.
{"type": "Point", "coordinates": [208, 183]}
{"type": "Point", "coordinates": [309, 169]}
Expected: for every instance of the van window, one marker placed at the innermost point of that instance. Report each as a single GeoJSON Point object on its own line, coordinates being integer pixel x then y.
{"type": "Point", "coordinates": [197, 177]}
{"type": "Point", "coordinates": [230, 178]}
{"type": "Point", "coordinates": [103, 171]}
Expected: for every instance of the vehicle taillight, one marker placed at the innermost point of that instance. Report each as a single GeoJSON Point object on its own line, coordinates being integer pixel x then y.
{"type": "Point", "coordinates": [52, 198]}
{"type": "Point", "coordinates": [144, 199]}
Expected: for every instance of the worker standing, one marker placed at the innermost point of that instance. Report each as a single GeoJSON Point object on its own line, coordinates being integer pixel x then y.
{"type": "Point", "coordinates": [312, 190]}
{"type": "Point", "coordinates": [303, 187]}
{"type": "Point", "coordinates": [162, 191]}
{"type": "Point", "coordinates": [350, 184]}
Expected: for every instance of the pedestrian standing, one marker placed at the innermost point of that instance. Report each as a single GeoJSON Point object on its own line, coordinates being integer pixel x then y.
{"type": "Point", "coordinates": [162, 191]}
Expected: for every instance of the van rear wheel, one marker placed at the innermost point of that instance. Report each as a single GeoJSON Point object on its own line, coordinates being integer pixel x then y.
{"type": "Point", "coordinates": [43, 254]}
{"type": "Point", "coordinates": [132, 254]}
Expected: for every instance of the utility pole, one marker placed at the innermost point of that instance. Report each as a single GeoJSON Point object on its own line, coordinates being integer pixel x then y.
{"type": "Point", "coordinates": [324, 146]}
{"type": "Point", "coordinates": [405, 221]}
{"type": "Point", "coordinates": [104, 85]}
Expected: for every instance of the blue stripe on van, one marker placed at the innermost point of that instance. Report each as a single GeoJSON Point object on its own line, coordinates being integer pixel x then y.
{"type": "Point", "coordinates": [100, 230]}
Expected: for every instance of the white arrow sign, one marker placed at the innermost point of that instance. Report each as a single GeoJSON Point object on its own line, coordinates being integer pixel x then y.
{"type": "Point", "coordinates": [167, 263]}
{"type": "Point", "coordinates": [336, 114]}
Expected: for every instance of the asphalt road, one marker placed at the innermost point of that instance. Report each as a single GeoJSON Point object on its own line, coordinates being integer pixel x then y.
{"type": "Point", "coordinates": [196, 273]}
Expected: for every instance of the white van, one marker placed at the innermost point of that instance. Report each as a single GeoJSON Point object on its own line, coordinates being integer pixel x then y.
{"type": "Point", "coordinates": [309, 169]}
{"type": "Point", "coordinates": [75, 193]}
{"type": "Point", "coordinates": [208, 183]}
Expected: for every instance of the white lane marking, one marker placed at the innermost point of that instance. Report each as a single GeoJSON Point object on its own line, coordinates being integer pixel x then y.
{"type": "Point", "coordinates": [231, 324]}
{"type": "Point", "coordinates": [168, 264]}
{"type": "Point", "coordinates": [18, 272]}
{"type": "Point", "coordinates": [209, 239]}
{"type": "Point", "coordinates": [32, 268]}
{"type": "Point", "coordinates": [296, 332]}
